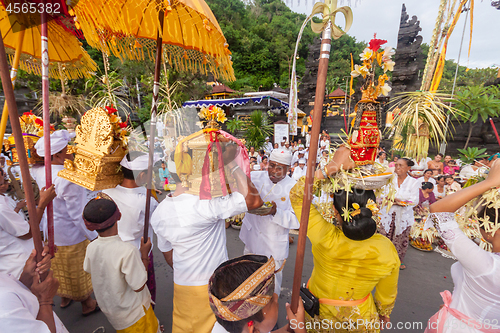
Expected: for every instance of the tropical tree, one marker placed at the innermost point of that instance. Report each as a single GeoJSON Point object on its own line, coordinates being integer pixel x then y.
{"type": "Point", "coordinates": [256, 128]}
{"type": "Point", "coordinates": [469, 155]}
{"type": "Point", "coordinates": [477, 101]}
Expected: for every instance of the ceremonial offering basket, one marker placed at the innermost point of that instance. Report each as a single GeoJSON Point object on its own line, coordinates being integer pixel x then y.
{"type": "Point", "coordinates": [199, 161]}
{"type": "Point", "coordinates": [29, 144]}
{"type": "Point", "coordinates": [98, 152]}
{"type": "Point", "coordinates": [372, 182]}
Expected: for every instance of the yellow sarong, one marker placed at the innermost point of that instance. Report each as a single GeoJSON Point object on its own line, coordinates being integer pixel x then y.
{"type": "Point", "coordinates": [74, 282]}
{"type": "Point", "coordinates": [192, 312]}
{"type": "Point", "coordinates": [147, 324]}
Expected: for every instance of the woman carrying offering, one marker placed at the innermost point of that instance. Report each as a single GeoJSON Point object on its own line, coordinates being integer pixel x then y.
{"type": "Point", "coordinates": [474, 305]}
{"type": "Point", "coordinates": [396, 221]}
{"type": "Point", "coordinates": [350, 260]}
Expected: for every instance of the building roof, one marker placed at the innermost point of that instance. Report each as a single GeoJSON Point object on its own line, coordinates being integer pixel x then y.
{"type": "Point", "coordinates": [221, 88]}
{"type": "Point", "coordinates": [337, 93]}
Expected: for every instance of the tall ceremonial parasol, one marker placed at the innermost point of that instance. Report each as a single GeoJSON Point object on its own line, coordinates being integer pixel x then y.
{"type": "Point", "coordinates": [24, 51]}
{"type": "Point", "coordinates": [27, 34]}
{"type": "Point", "coordinates": [330, 30]}
{"type": "Point", "coordinates": [187, 29]}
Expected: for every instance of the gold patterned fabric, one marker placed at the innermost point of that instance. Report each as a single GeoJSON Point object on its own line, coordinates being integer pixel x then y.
{"type": "Point", "coordinates": [249, 298]}
{"type": "Point", "coordinates": [147, 324]}
{"type": "Point", "coordinates": [345, 269]}
{"type": "Point", "coordinates": [74, 282]}
{"type": "Point", "coordinates": [192, 312]}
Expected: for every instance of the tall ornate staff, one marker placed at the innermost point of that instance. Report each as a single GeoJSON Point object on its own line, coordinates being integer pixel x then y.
{"type": "Point", "coordinates": [21, 151]}
{"type": "Point", "coordinates": [330, 30]}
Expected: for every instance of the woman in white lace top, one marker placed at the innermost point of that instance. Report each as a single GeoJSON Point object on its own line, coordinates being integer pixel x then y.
{"type": "Point", "coordinates": [475, 303]}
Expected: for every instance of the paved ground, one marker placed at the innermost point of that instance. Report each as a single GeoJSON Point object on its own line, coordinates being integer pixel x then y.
{"type": "Point", "coordinates": [418, 299]}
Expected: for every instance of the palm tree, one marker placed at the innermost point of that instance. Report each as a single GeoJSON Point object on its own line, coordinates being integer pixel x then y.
{"type": "Point", "coordinates": [256, 128]}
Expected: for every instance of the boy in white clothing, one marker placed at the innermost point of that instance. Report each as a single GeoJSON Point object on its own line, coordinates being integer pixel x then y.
{"type": "Point", "coordinates": [118, 271]}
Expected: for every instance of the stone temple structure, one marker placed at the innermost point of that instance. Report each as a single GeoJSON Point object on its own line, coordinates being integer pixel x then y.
{"type": "Point", "coordinates": [409, 58]}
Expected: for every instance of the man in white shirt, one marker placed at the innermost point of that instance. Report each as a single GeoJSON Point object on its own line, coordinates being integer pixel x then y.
{"type": "Point", "coordinates": [300, 170]}
{"type": "Point", "coordinates": [268, 234]}
{"type": "Point", "coordinates": [195, 230]}
{"type": "Point", "coordinates": [70, 234]}
{"type": "Point", "coordinates": [268, 146]}
{"type": "Point", "coordinates": [16, 243]}
{"type": "Point", "coordinates": [26, 303]}
{"type": "Point", "coordinates": [130, 197]}
{"type": "Point", "coordinates": [300, 153]}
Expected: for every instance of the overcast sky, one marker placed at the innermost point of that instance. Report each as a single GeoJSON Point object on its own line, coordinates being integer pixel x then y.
{"type": "Point", "coordinates": [383, 16]}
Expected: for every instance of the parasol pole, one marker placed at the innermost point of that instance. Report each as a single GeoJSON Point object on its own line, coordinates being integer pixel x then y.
{"type": "Point", "coordinates": [13, 77]}
{"type": "Point", "coordinates": [152, 130]}
{"type": "Point", "coordinates": [311, 162]}
{"type": "Point", "coordinates": [21, 151]}
{"type": "Point", "coordinates": [46, 128]}
{"type": "Point", "coordinates": [495, 130]}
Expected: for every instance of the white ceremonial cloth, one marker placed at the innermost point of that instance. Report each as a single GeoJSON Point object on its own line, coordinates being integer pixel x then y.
{"type": "Point", "coordinates": [195, 230]}
{"type": "Point", "coordinates": [476, 276]}
{"type": "Point", "coordinates": [404, 215]}
{"type": "Point", "coordinates": [117, 270]}
{"type": "Point", "coordinates": [69, 228]}
{"type": "Point", "coordinates": [19, 309]}
{"type": "Point", "coordinates": [132, 204]}
{"type": "Point", "coordinates": [299, 172]}
{"type": "Point", "coordinates": [13, 251]}
{"type": "Point", "coordinates": [268, 235]}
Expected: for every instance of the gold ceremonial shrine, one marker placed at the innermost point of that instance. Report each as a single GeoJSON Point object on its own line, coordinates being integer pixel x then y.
{"type": "Point", "coordinates": [198, 145]}
{"type": "Point", "coordinates": [29, 144]}
{"type": "Point", "coordinates": [97, 154]}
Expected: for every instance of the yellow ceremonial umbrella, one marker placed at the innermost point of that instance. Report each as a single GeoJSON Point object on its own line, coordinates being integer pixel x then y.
{"type": "Point", "coordinates": [187, 29]}
{"type": "Point", "coordinates": [23, 48]}
{"type": "Point", "coordinates": [191, 36]}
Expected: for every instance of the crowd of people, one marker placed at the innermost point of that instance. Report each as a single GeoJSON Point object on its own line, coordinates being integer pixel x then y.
{"type": "Point", "coordinates": [101, 248]}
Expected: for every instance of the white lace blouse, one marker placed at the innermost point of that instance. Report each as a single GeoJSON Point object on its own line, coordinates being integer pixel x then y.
{"type": "Point", "coordinates": [476, 276]}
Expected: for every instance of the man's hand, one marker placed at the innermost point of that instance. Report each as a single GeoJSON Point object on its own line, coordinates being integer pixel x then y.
{"type": "Point", "coordinates": [273, 210]}
{"type": "Point", "coordinates": [46, 290]}
{"type": "Point", "coordinates": [46, 196]}
{"type": "Point", "coordinates": [145, 248]}
{"type": "Point", "coordinates": [20, 205]}
{"type": "Point", "coordinates": [296, 320]}
{"type": "Point", "coordinates": [32, 267]}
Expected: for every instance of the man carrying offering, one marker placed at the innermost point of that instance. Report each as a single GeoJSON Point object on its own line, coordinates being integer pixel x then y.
{"type": "Point", "coordinates": [267, 234]}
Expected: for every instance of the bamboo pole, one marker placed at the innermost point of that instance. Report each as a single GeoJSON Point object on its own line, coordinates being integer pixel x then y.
{"type": "Point", "coordinates": [13, 77]}
{"type": "Point", "coordinates": [311, 163]}
{"type": "Point", "coordinates": [152, 131]}
{"type": "Point", "coordinates": [46, 128]}
{"type": "Point", "coordinates": [21, 151]}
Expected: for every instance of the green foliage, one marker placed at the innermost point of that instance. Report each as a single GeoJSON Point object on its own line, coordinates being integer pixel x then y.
{"type": "Point", "coordinates": [470, 154]}
{"type": "Point", "coordinates": [262, 37]}
{"type": "Point", "coordinates": [477, 101]}
{"type": "Point", "coordinates": [234, 125]}
{"type": "Point", "coordinates": [256, 128]}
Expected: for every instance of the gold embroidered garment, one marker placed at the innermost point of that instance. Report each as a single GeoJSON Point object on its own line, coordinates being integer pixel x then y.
{"type": "Point", "coordinates": [349, 270]}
